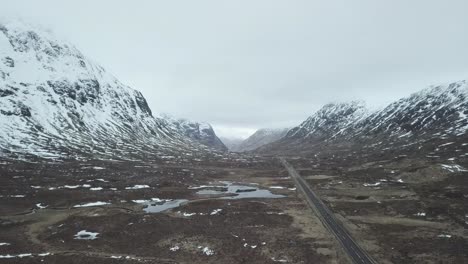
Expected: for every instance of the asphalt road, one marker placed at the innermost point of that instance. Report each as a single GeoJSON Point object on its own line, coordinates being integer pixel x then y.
{"type": "Point", "coordinates": [355, 252]}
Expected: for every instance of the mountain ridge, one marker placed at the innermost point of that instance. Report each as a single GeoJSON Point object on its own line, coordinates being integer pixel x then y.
{"type": "Point", "coordinates": [417, 122]}
{"type": "Point", "coordinates": [55, 102]}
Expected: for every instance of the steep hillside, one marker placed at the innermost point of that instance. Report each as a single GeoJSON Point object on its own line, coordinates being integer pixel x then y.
{"type": "Point", "coordinates": [55, 102]}
{"type": "Point", "coordinates": [198, 131]}
{"type": "Point", "coordinates": [431, 121]}
{"type": "Point", "coordinates": [330, 120]}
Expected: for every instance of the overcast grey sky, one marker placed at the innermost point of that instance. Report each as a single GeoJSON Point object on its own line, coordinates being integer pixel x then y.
{"type": "Point", "coordinates": [242, 65]}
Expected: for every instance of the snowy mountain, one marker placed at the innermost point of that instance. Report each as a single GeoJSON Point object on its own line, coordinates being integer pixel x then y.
{"type": "Point", "coordinates": [56, 102]}
{"type": "Point", "coordinates": [259, 138]}
{"type": "Point", "coordinates": [418, 123]}
{"type": "Point", "coordinates": [201, 132]}
{"type": "Point", "coordinates": [441, 108]}
{"type": "Point", "coordinates": [330, 120]}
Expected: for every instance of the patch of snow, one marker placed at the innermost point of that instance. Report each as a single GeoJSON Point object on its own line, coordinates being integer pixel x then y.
{"type": "Point", "coordinates": [101, 180]}
{"type": "Point", "coordinates": [24, 255]}
{"type": "Point", "coordinates": [446, 144]}
{"type": "Point", "coordinates": [207, 251]}
{"type": "Point", "coordinates": [444, 236]}
{"type": "Point", "coordinates": [188, 214]}
{"type": "Point", "coordinates": [453, 168]}
{"type": "Point", "coordinates": [71, 186]}
{"type": "Point", "coordinates": [174, 248]}
{"type": "Point", "coordinates": [91, 204]}
{"type": "Point", "coordinates": [279, 260]}
{"type": "Point", "coordinates": [216, 211]}
{"type": "Point", "coordinates": [136, 187]}
{"type": "Point", "coordinates": [40, 206]}
{"type": "Point", "coordinates": [86, 235]}
{"type": "Point", "coordinates": [371, 184]}
{"type": "Point", "coordinates": [141, 201]}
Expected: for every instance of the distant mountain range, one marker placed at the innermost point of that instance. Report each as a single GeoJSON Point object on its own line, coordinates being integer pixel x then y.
{"type": "Point", "coordinates": [420, 123]}
{"type": "Point", "coordinates": [259, 138]}
{"type": "Point", "coordinates": [231, 143]}
{"type": "Point", "coordinates": [55, 102]}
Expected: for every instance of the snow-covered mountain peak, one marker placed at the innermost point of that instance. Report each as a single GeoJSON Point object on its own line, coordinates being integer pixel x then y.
{"type": "Point", "coordinates": [437, 107]}
{"type": "Point", "coordinates": [202, 132]}
{"type": "Point", "coordinates": [54, 100]}
{"type": "Point", "coordinates": [331, 119]}
{"type": "Point", "coordinates": [433, 115]}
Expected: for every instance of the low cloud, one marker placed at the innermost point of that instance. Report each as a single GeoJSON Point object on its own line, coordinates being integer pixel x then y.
{"type": "Point", "coordinates": [242, 65]}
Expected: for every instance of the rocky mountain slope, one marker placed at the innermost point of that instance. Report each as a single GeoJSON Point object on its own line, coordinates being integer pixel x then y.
{"type": "Point", "coordinates": [329, 121]}
{"type": "Point", "coordinates": [431, 121]}
{"type": "Point", "coordinates": [259, 138]}
{"type": "Point", "coordinates": [201, 132]}
{"type": "Point", "coordinates": [55, 102]}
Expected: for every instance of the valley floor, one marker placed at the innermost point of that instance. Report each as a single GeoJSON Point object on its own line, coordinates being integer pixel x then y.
{"type": "Point", "coordinates": [230, 210]}
{"type": "Point", "coordinates": [43, 207]}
